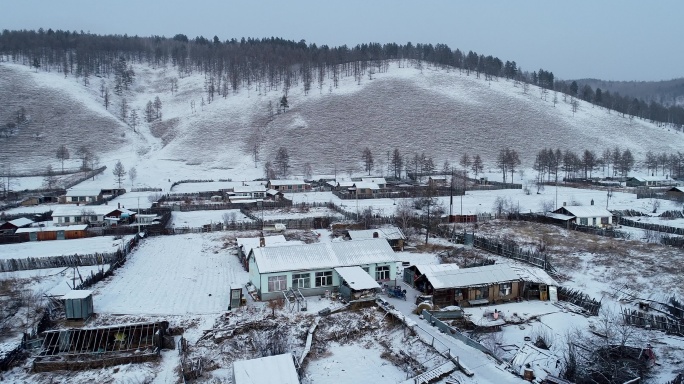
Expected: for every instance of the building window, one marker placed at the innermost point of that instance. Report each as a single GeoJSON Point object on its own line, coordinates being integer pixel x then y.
{"type": "Point", "coordinates": [77, 219]}
{"type": "Point", "coordinates": [93, 218]}
{"type": "Point", "coordinates": [593, 221]}
{"type": "Point", "coordinates": [323, 278]}
{"type": "Point", "coordinates": [289, 187]}
{"type": "Point", "coordinates": [482, 293]}
{"type": "Point", "coordinates": [66, 219]}
{"type": "Point", "coordinates": [301, 280]}
{"type": "Point", "coordinates": [584, 221]}
{"type": "Point", "coordinates": [604, 220]}
{"type": "Point", "coordinates": [505, 289]}
{"type": "Point", "coordinates": [366, 269]}
{"type": "Point", "coordinates": [382, 273]}
{"type": "Point", "coordinates": [277, 283]}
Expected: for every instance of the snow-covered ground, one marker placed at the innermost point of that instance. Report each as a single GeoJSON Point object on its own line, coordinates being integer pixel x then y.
{"type": "Point", "coordinates": [99, 244]}
{"type": "Point", "coordinates": [353, 364]}
{"type": "Point", "coordinates": [196, 219]}
{"type": "Point", "coordinates": [184, 274]}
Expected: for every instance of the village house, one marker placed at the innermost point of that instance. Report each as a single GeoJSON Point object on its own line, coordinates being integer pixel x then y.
{"type": "Point", "coordinates": [247, 192]}
{"type": "Point", "coordinates": [650, 181]}
{"type": "Point", "coordinates": [380, 181]}
{"type": "Point", "coordinates": [286, 186]}
{"type": "Point", "coordinates": [92, 214]}
{"type": "Point", "coordinates": [495, 283]}
{"type": "Point", "coordinates": [392, 234]}
{"type": "Point", "coordinates": [364, 190]}
{"type": "Point", "coordinates": [67, 232]}
{"type": "Point", "coordinates": [590, 215]}
{"type": "Point", "coordinates": [12, 225]}
{"type": "Point", "coordinates": [675, 193]}
{"type": "Point", "coordinates": [312, 268]}
{"type": "Point", "coordinates": [83, 196]}
{"type": "Point", "coordinates": [437, 181]}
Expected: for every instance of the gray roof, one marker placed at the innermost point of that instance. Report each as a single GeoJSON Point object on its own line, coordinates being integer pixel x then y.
{"type": "Point", "coordinates": [20, 222]}
{"type": "Point", "coordinates": [266, 370]}
{"type": "Point", "coordinates": [586, 211]}
{"type": "Point", "coordinates": [83, 192]}
{"type": "Point", "coordinates": [322, 255]}
{"type": "Point", "coordinates": [390, 233]}
{"type": "Point", "coordinates": [357, 278]}
{"type": "Point", "coordinates": [471, 277]}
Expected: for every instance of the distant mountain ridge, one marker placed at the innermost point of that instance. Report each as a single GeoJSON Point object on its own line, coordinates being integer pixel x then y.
{"type": "Point", "coordinates": [666, 92]}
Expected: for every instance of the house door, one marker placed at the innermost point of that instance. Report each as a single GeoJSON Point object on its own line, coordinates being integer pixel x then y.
{"type": "Point", "coordinates": [60, 235]}
{"type": "Point", "coordinates": [33, 236]}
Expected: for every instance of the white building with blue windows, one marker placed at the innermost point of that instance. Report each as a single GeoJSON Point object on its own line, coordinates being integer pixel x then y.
{"type": "Point", "coordinates": [311, 268]}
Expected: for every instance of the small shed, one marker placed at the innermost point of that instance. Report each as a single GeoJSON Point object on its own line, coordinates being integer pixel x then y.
{"type": "Point", "coordinates": [78, 304]}
{"type": "Point", "coordinates": [235, 296]}
{"type": "Point", "coordinates": [356, 284]}
{"type": "Point", "coordinates": [266, 370]}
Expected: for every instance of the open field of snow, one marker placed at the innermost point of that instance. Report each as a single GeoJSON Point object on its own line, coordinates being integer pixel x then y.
{"type": "Point", "coordinates": [353, 364]}
{"type": "Point", "coordinates": [99, 244]}
{"type": "Point", "coordinates": [185, 274]}
{"type": "Point", "coordinates": [296, 213]}
{"type": "Point", "coordinates": [36, 209]}
{"type": "Point", "coordinates": [196, 219]}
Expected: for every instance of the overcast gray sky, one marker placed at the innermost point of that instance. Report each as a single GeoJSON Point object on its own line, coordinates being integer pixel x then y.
{"type": "Point", "coordinates": [605, 39]}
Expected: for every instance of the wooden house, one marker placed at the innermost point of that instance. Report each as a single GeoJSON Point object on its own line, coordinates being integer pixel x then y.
{"type": "Point", "coordinates": [471, 286]}
{"type": "Point", "coordinates": [379, 181]}
{"type": "Point", "coordinates": [437, 181]}
{"type": "Point", "coordinates": [53, 233]}
{"type": "Point", "coordinates": [392, 234]}
{"type": "Point", "coordinates": [12, 226]}
{"type": "Point", "coordinates": [247, 192]}
{"type": "Point", "coordinates": [286, 186]}
{"type": "Point", "coordinates": [310, 268]}
{"type": "Point", "coordinates": [83, 196]}
{"type": "Point", "coordinates": [675, 193]}
{"type": "Point", "coordinates": [364, 189]}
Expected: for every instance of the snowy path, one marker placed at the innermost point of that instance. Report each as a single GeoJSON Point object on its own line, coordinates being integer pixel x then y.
{"type": "Point", "coordinates": [188, 274]}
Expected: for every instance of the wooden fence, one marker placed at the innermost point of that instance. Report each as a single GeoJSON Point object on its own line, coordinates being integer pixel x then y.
{"type": "Point", "coordinates": [652, 321]}
{"type": "Point", "coordinates": [11, 265]}
{"type": "Point", "coordinates": [651, 226]}
{"type": "Point", "coordinates": [580, 299]}
{"type": "Point", "coordinates": [510, 250]}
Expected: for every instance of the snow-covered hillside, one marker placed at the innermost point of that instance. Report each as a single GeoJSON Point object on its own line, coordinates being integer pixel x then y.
{"type": "Point", "coordinates": [436, 111]}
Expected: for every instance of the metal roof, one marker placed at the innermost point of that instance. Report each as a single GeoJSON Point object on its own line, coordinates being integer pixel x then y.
{"type": "Point", "coordinates": [77, 294]}
{"type": "Point", "coordinates": [365, 185]}
{"type": "Point", "coordinates": [376, 180]}
{"type": "Point", "coordinates": [80, 227]}
{"type": "Point", "coordinates": [83, 210]}
{"type": "Point", "coordinates": [357, 278]}
{"type": "Point", "coordinates": [470, 277]}
{"type": "Point", "coordinates": [322, 255]}
{"type": "Point", "coordinates": [249, 188]}
{"type": "Point", "coordinates": [391, 233]}
{"type": "Point", "coordinates": [287, 182]}
{"type": "Point", "coordinates": [424, 268]}
{"type": "Point", "coordinates": [586, 211]}
{"type": "Point", "coordinates": [247, 243]}
{"type": "Point", "coordinates": [83, 192]}
{"type": "Point", "coordinates": [20, 222]}
{"type": "Point", "coordinates": [266, 370]}
{"type": "Point", "coordinates": [533, 274]}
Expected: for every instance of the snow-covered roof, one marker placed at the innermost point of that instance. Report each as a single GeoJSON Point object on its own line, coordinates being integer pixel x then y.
{"type": "Point", "coordinates": [650, 178]}
{"type": "Point", "coordinates": [357, 278]}
{"type": "Point", "coordinates": [677, 189]}
{"type": "Point", "coordinates": [272, 192]}
{"type": "Point", "coordinates": [80, 210]}
{"type": "Point", "coordinates": [287, 182]}
{"type": "Point", "coordinates": [470, 277]}
{"type": "Point", "coordinates": [345, 183]}
{"type": "Point", "coordinates": [365, 185]}
{"type": "Point", "coordinates": [83, 192]}
{"type": "Point", "coordinates": [559, 216]}
{"type": "Point", "coordinates": [437, 177]}
{"type": "Point", "coordinates": [80, 227]}
{"type": "Point", "coordinates": [376, 180]}
{"type": "Point", "coordinates": [534, 275]}
{"type": "Point", "coordinates": [586, 211]}
{"type": "Point", "coordinates": [266, 370]}
{"type": "Point", "coordinates": [423, 268]}
{"type": "Point", "coordinates": [390, 233]}
{"type": "Point", "coordinates": [20, 222]}
{"type": "Point", "coordinates": [247, 243]}
{"type": "Point", "coordinates": [249, 188]}
{"type": "Point", "coordinates": [323, 255]}
{"type": "Point", "coordinates": [77, 294]}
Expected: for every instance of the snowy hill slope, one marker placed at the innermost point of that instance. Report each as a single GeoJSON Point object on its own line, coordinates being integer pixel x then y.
{"type": "Point", "coordinates": [441, 113]}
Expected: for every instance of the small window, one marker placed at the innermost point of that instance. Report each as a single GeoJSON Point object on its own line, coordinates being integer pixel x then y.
{"type": "Point", "coordinates": [289, 187]}
{"type": "Point", "coordinates": [301, 280]}
{"type": "Point", "coordinates": [593, 221]}
{"type": "Point", "coordinates": [323, 278]}
{"type": "Point", "coordinates": [66, 219]}
{"type": "Point", "coordinates": [382, 273]}
{"type": "Point", "coordinates": [505, 289]}
{"type": "Point", "coordinates": [604, 220]}
{"type": "Point", "coordinates": [277, 283]}
{"type": "Point", "coordinates": [93, 218]}
{"type": "Point", "coordinates": [584, 221]}
{"type": "Point", "coordinates": [482, 293]}
{"type": "Point", "coordinates": [77, 219]}
{"type": "Point", "coordinates": [366, 269]}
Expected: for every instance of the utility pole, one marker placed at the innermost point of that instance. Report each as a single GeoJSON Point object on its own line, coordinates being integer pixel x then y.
{"type": "Point", "coordinates": [427, 225]}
